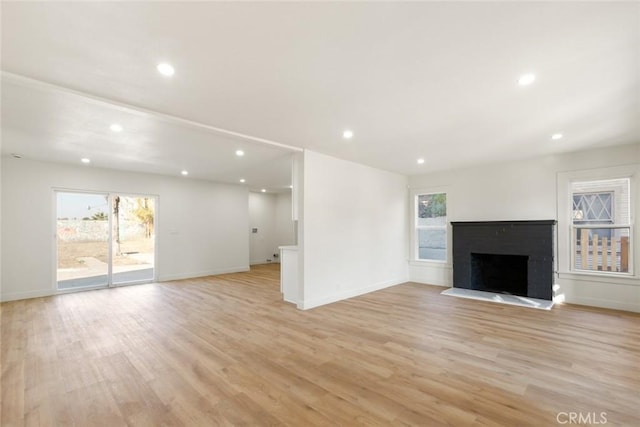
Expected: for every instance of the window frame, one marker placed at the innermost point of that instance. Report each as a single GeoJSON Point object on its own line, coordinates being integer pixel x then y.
{"type": "Point", "coordinates": [612, 197]}
{"type": "Point", "coordinates": [566, 228]}
{"type": "Point", "coordinates": [599, 224]}
{"type": "Point", "coordinates": [415, 241]}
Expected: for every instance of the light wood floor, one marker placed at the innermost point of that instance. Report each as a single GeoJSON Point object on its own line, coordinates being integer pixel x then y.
{"type": "Point", "coordinates": [225, 350]}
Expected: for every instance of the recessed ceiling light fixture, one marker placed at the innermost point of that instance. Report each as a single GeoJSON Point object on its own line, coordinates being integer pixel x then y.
{"type": "Point", "coordinates": [291, 186]}
{"type": "Point", "coordinates": [556, 136]}
{"type": "Point", "coordinates": [239, 153]}
{"type": "Point", "coordinates": [347, 134]}
{"type": "Point", "coordinates": [85, 160]}
{"type": "Point", "coordinates": [242, 180]}
{"type": "Point", "coordinates": [116, 127]}
{"type": "Point", "coordinates": [263, 190]}
{"type": "Point", "coordinates": [166, 69]}
{"type": "Point", "coordinates": [185, 173]}
{"type": "Point", "coordinates": [526, 79]}
{"type": "Point", "coordinates": [420, 161]}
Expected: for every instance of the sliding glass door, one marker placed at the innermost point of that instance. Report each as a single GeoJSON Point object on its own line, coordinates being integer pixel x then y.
{"type": "Point", "coordinates": [133, 248]}
{"type": "Point", "coordinates": [82, 236]}
{"type": "Point", "coordinates": [104, 239]}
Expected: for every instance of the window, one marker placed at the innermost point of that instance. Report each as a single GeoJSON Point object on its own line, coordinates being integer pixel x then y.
{"type": "Point", "coordinates": [431, 227]}
{"type": "Point", "coordinates": [601, 225]}
{"type": "Point", "coordinates": [595, 208]}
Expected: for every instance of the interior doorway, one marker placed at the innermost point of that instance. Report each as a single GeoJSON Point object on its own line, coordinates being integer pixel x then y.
{"type": "Point", "coordinates": [104, 239]}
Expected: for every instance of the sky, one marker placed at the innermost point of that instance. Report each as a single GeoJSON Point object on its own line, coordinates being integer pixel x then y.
{"type": "Point", "coordinates": [80, 205]}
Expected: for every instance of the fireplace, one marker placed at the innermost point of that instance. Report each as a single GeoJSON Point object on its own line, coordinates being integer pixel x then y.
{"type": "Point", "coordinates": [509, 257]}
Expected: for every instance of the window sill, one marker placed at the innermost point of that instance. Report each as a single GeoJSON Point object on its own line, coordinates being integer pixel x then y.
{"type": "Point", "coordinates": [434, 264]}
{"type": "Point", "coordinates": [616, 279]}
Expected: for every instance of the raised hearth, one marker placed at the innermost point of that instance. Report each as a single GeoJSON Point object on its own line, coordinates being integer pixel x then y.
{"type": "Point", "coordinates": [508, 257]}
{"type": "Point", "coordinates": [540, 304]}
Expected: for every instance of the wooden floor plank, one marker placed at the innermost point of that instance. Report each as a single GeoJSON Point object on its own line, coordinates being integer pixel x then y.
{"type": "Point", "coordinates": [226, 350]}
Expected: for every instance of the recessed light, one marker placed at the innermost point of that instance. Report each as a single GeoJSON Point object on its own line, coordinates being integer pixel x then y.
{"type": "Point", "coordinates": [420, 161]}
{"type": "Point", "coordinates": [185, 173]}
{"type": "Point", "coordinates": [556, 136]}
{"type": "Point", "coordinates": [242, 180]}
{"type": "Point", "coordinates": [291, 186]}
{"type": "Point", "coordinates": [526, 79]}
{"type": "Point", "coordinates": [85, 160]}
{"type": "Point", "coordinates": [116, 127]}
{"type": "Point", "coordinates": [263, 190]}
{"type": "Point", "coordinates": [166, 69]}
{"type": "Point", "coordinates": [347, 134]}
{"type": "Point", "coordinates": [239, 153]}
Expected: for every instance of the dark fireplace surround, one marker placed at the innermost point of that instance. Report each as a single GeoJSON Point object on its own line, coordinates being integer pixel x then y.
{"type": "Point", "coordinates": [512, 257]}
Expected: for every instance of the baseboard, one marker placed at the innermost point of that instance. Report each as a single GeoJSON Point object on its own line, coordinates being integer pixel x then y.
{"type": "Point", "coordinates": [170, 277]}
{"type": "Point", "coordinates": [50, 292]}
{"type": "Point", "coordinates": [420, 282]}
{"type": "Point", "coordinates": [611, 304]}
{"type": "Point", "coordinates": [15, 296]}
{"type": "Point", "coordinates": [308, 304]}
{"type": "Point", "coordinates": [264, 261]}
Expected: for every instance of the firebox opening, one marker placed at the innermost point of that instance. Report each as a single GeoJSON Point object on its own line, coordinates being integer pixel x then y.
{"type": "Point", "coordinates": [499, 273]}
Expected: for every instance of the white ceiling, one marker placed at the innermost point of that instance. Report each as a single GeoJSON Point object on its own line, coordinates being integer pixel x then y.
{"type": "Point", "coordinates": [434, 80]}
{"type": "Point", "coordinates": [47, 123]}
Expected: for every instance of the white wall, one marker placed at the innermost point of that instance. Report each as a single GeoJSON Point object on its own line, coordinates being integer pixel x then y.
{"type": "Point", "coordinates": [1, 222]}
{"type": "Point", "coordinates": [285, 226]}
{"type": "Point", "coordinates": [354, 229]}
{"type": "Point", "coordinates": [262, 215]}
{"type": "Point", "coordinates": [527, 190]}
{"type": "Point", "coordinates": [271, 215]}
{"type": "Point", "coordinates": [201, 227]}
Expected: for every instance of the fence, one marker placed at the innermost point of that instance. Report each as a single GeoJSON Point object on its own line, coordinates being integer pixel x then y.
{"type": "Point", "coordinates": [602, 254]}
{"type": "Point", "coordinates": [76, 230]}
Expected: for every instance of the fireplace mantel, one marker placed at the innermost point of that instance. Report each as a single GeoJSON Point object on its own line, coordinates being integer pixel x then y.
{"type": "Point", "coordinates": [499, 243]}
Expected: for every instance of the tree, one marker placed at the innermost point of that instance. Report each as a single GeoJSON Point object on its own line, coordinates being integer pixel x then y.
{"type": "Point", "coordinates": [432, 206]}
{"type": "Point", "coordinates": [144, 213]}
{"type": "Point", "coordinates": [99, 216]}
{"type": "Point", "coordinates": [116, 223]}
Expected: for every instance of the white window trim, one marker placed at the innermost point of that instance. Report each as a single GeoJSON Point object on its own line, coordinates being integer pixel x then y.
{"type": "Point", "coordinates": [413, 211]}
{"type": "Point", "coordinates": [564, 210]}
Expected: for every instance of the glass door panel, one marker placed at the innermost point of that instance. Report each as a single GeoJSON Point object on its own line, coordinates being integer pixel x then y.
{"type": "Point", "coordinates": [133, 243]}
{"type": "Point", "coordinates": [82, 240]}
